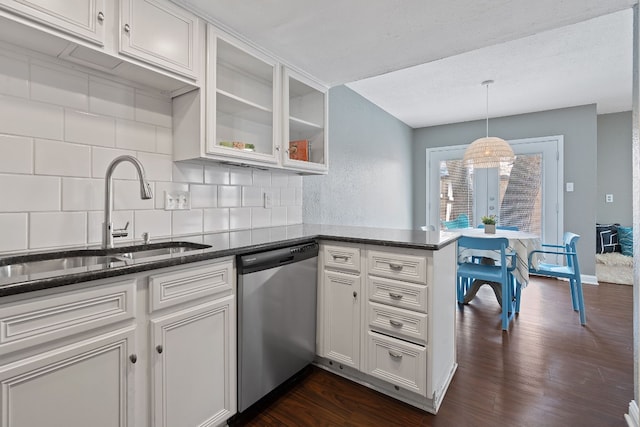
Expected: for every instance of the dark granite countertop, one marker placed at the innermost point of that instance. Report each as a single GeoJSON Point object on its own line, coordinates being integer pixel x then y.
{"type": "Point", "coordinates": [228, 244]}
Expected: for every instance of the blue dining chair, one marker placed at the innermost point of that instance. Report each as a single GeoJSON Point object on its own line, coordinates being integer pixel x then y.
{"type": "Point", "coordinates": [570, 271]}
{"type": "Point", "coordinates": [461, 221]}
{"type": "Point", "coordinates": [501, 273]}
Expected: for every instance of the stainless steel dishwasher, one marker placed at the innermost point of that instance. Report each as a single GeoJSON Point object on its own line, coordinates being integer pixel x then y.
{"type": "Point", "coordinates": [276, 318]}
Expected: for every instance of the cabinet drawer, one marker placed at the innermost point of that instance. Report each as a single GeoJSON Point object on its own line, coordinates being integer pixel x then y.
{"type": "Point", "coordinates": [398, 266]}
{"type": "Point", "coordinates": [398, 322]}
{"type": "Point", "coordinates": [398, 294]}
{"type": "Point", "coordinates": [397, 362]}
{"type": "Point", "coordinates": [190, 284]}
{"type": "Point", "coordinates": [342, 257]}
{"type": "Point", "coordinates": [44, 319]}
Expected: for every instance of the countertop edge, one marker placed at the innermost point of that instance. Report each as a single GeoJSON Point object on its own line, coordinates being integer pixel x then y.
{"type": "Point", "coordinates": [74, 278]}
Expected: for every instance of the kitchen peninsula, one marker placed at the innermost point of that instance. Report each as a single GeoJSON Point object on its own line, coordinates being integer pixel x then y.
{"type": "Point", "coordinates": [385, 318]}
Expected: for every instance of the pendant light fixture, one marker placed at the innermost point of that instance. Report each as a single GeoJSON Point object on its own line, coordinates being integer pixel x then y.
{"type": "Point", "coordinates": [488, 152]}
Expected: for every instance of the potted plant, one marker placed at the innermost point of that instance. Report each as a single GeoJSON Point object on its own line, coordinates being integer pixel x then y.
{"type": "Point", "coordinates": [489, 224]}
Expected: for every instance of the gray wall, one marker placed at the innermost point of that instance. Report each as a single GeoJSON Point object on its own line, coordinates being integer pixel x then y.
{"type": "Point", "coordinates": [614, 168]}
{"type": "Point", "coordinates": [369, 180]}
{"type": "Point", "coordinates": [579, 127]}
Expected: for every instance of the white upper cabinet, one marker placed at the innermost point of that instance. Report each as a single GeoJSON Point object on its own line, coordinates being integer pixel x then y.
{"type": "Point", "coordinates": [80, 18]}
{"type": "Point", "coordinates": [160, 33]}
{"type": "Point", "coordinates": [305, 123]}
{"type": "Point", "coordinates": [242, 101]}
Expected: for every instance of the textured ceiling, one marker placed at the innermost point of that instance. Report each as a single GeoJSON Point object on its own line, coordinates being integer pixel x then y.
{"type": "Point", "coordinates": [531, 49]}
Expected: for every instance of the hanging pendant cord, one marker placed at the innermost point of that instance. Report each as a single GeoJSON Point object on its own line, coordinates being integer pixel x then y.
{"type": "Point", "coordinates": [487, 109]}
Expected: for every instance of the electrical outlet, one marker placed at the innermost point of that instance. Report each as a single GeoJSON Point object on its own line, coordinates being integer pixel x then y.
{"type": "Point", "coordinates": [609, 198]}
{"type": "Point", "coordinates": [177, 200]}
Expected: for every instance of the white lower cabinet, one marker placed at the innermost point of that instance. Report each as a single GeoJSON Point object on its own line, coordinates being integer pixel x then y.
{"type": "Point", "coordinates": [148, 349]}
{"type": "Point", "coordinates": [86, 383]}
{"type": "Point", "coordinates": [193, 378]}
{"type": "Point", "coordinates": [398, 335]}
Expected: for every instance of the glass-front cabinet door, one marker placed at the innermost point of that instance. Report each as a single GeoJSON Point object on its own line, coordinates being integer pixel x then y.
{"type": "Point", "coordinates": [242, 99]}
{"type": "Point", "coordinates": [305, 123]}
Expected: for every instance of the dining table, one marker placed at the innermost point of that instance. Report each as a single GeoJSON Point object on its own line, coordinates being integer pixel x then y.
{"type": "Point", "coordinates": [521, 243]}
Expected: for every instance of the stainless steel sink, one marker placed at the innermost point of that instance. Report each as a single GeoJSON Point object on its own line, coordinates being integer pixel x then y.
{"type": "Point", "coordinates": [43, 264]}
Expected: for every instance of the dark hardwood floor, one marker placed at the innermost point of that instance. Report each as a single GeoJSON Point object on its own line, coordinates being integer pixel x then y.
{"type": "Point", "coordinates": [547, 370]}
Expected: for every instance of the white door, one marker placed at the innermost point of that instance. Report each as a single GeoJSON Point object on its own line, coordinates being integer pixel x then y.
{"type": "Point", "coordinates": [194, 365]}
{"type": "Point", "coordinates": [80, 18]}
{"type": "Point", "coordinates": [342, 317]}
{"type": "Point", "coordinates": [527, 194]}
{"type": "Point", "coordinates": [88, 383]}
{"type": "Point", "coordinates": [160, 33]}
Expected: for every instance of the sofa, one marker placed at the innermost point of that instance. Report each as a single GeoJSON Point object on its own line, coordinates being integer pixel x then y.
{"type": "Point", "coordinates": [614, 254]}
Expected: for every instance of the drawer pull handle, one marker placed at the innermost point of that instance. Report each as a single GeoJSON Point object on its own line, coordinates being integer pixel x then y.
{"type": "Point", "coordinates": [342, 257]}
{"type": "Point", "coordinates": [395, 296]}
{"type": "Point", "coordinates": [395, 355]}
{"type": "Point", "coordinates": [396, 323]}
{"type": "Point", "coordinates": [396, 267]}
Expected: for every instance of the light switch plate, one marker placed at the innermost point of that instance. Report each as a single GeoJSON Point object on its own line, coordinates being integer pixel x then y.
{"type": "Point", "coordinates": [267, 201]}
{"type": "Point", "coordinates": [177, 200]}
{"type": "Point", "coordinates": [569, 187]}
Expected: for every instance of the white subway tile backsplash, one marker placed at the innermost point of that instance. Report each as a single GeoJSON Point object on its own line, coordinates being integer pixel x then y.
{"type": "Point", "coordinates": [25, 193]}
{"type": "Point", "coordinates": [157, 167]}
{"type": "Point", "coordinates": [162, 188]}
{"type": "Point", "coordinates": [28, 118]}
{"type": "Point", "coordinates": [240, 176]}
{"type": "Point", "coordinates": [287, 196]}
{"type": "Point", "coordinates": [62, 158]}
{"type": "Point", "coordinates": [119, 220]}
{"type": "Point", "coordinates": [60, 86]}
{"type": "Point", "coordinates": [260, 217]}
{"type": "Point", "coordinates": [164, 140]}
{"type": "Point", "coordinates": [126, 195]}
{"type": "Point", "coordinates": [188, 172]}
{"type": "Point", "coordinates": [110, 98]}
{"type": "Point", "coordinates": [260, 236]}
{"type": "Point", "coordinates": [59, 130]}
{"type": "Point", "coordinates": [185, 222]}
{"type": "Point", "coordinates": [279, 180]}
{"type": "Point", "coordinates": [16, 154]}
{"type": "Point", "coordinates": [82, 194]}
{"type": "Point", "coordinates": [294, 215]}
{"type": "Point", "coordinates": [14, 231]}
{"type": "Point", "coordinates": [87, 128]}
{"type": "Point", "coordinates": [278, 216]}
{"type": "Point", "coordinates": [261, 178]}
{"type": "Point", "coordinates": [102, 157]}
{"type": "Point", "coordinates": [216, 220]}
{"type": "Point", "coordinates": [252, 196]}
{"type": "Point", "coordinates": [14, 76]}
{"type": "Point", "coordinates": [295, 181]}
{"type": "Point", "coordinates": [216, 174]}
{"type": "Point", "coordinates": [239, 218]}
{"type": "Point", "coordinates": [155, 222]}
{"type": "Point", "coordinates": [229, 196]}
{"type": "Point", "coordinates": [153, 110]}
{"type": "Point", "coordinates": [204, 196]}
{"type": "Point", "coordinates": [49, 229]}
{"type": "Point", "coordinates": [135, 136]}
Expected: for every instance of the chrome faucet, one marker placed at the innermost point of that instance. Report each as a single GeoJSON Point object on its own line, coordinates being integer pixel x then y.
{"type": "Point", "coordinates": [145, 193]}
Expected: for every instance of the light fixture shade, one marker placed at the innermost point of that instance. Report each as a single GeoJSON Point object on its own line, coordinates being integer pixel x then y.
{"type": "Point", "coordinates": [488, 152]}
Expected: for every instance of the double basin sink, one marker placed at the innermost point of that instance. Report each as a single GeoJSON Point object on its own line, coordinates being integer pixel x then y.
{"type": "Point", "coordinates": [91, 259]}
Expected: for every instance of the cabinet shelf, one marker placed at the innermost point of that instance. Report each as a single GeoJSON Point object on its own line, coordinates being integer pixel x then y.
{"type": "Point", "coordinates": [297, 124]}
{"type": "Point", "coordinates": [232, 105]}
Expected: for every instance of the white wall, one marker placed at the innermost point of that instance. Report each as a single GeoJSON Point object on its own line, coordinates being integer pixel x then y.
{"type": "Point", "coordinates": [59, 129]}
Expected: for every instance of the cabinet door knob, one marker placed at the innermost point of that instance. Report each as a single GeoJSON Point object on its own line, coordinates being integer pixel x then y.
{"type": "Point", "coordinates": [127, 28]}
{"type": "Point", "coordinates": [159, 349]}
{"type": "Point", "coordinates": [100, 17]}
{"type": "Point", "coordinates": [355, 294]}
{"type": "Point", "coordinates": [133, 358]}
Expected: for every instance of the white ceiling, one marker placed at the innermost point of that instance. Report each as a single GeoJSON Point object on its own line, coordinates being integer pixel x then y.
{"type": "Point", "coordinates": [423, 60]}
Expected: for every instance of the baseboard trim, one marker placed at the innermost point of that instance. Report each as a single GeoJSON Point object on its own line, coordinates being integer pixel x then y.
{"type": "Point", "coordinates": [633, 416]}
{"type": "Point", "coordinates": [588, 279]}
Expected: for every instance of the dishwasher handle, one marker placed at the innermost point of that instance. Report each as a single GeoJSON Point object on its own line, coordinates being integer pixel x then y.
{"type": "Point", "coordinates": [276, 258]}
